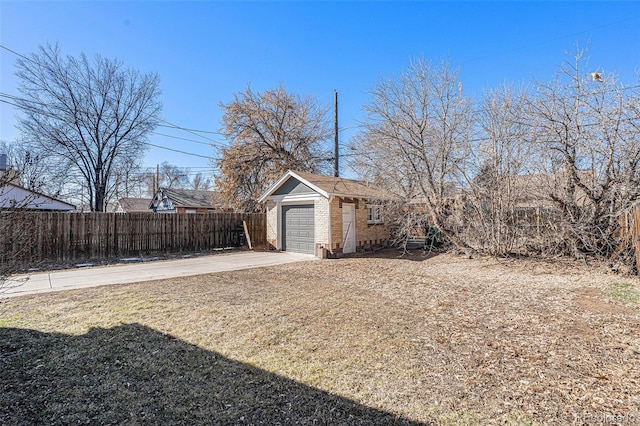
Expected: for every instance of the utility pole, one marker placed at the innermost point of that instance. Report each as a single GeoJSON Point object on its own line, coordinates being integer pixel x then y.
{"type": "Point", "coordinates": [157, 188]}
{"type": "Point", "coordinates": [336, 155]}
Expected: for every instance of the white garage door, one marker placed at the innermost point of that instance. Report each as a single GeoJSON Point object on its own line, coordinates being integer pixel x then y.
{"type": "Point", "coordinates": [297, 228]}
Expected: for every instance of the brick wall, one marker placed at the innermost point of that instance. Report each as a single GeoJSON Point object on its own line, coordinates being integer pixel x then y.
{"type": "Point", "coordinates": [366, 234]}
{"type": "Point", "coordinates": [321, 222]}
{"type": "Point", "coordinates": [272, 225]}
{"type": "Point", "coordinates": [369, 234]}
{"type": "Point", "coordinates": [336, 224]}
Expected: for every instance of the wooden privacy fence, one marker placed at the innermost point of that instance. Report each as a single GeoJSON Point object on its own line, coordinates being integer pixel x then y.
{"type": "Point", "coordinates": [60, 237]}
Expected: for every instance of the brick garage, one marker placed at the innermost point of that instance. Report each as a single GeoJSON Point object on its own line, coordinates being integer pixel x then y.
{"type": "Point", "coordinates": [324, 215]}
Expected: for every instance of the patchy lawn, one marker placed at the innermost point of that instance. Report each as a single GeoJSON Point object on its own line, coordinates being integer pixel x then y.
{"type": "Point", "coordinates": [445, 340]}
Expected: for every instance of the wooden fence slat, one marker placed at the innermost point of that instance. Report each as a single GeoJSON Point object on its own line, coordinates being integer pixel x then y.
{"type": "Point", "coordinates": [69, 237]}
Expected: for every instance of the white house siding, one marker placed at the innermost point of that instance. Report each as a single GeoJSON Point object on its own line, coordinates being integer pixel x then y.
{"type": "Point", "coordinates": [16, 196]}
{"type": "Point", "coordinates": [321, 218]}
{"type": "Point", "coordinates": [272, 224]}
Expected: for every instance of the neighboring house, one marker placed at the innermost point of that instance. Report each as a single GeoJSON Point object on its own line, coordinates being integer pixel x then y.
{"type": "Point", "coordinates": [168, 200]}
{"type": "Point", "coordinates": [15, 196]}
{"type": "Point", "coordinates": [132, 205]}
{"type": "Point", "coordinates": [314, 214]}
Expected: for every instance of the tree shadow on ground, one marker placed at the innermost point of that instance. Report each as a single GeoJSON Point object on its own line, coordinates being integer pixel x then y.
{"type": "Point", "coordinates": [132, 374]}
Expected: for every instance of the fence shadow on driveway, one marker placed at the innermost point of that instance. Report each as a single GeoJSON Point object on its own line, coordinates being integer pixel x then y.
{"type": "Point", "coordinates": [134, 374]}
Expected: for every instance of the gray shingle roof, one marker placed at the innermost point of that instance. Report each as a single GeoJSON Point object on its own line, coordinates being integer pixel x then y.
{"type": "Point", "coordinates": [134, 205]}
{"type": "Point", "coordinates": [342, 187]}
{"type": "Point", "coordinates": [190, 198]}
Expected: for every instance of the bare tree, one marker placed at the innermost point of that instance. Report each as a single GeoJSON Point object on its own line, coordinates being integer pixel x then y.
{"type": "Point", "coordinates": [172, 176]}
{"type": "Point", "coordinates": [200, 182]}
{"type": "Point", "coordinates": [589, 142]}
{"type": "Point", "coordinates": [416, 141]}
{"type": "Point", "coordinates": [271, 132]}
{"type": "Point", "coordinates": [34, 170]}
{"type": "Point", "coordinates": [496, 173]}
{"type": "Point", "coordinates": [88, 113]}
{"type": "Point", "coordinates": [128, 180]}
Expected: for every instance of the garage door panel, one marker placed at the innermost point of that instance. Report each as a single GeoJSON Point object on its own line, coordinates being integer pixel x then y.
{"type": "Point", "coordinates": [298, 228]}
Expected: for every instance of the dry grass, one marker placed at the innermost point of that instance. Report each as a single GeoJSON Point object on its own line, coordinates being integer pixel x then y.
{"type": "Point", "coordinates": [445, 340]}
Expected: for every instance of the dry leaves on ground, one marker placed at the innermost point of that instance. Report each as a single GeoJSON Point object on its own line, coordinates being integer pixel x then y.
{"type": "Point", "coordinates": [444, 339]}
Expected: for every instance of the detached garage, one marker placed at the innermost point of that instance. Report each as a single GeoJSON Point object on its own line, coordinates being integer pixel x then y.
{"type": "Point", "coordinates": [324, 215]}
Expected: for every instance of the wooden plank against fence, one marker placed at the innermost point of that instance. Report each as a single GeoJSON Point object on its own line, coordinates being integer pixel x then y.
{"type": "Point", "coordinates": [246, 234]}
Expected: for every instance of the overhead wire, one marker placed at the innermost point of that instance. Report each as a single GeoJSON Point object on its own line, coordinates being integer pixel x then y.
{"type": "Point", "coordinates": [180, 138]}
{"type": "Point", "coordinates": [199, 133]}
{"type": "Point", "coordinates": [26, 102]}
{"type": "Point", "coordinates": [342, 144]}
{"type": "Point", "coordinates": [168, 124]}
{"type": "Point", "coordinates": [180, 151]}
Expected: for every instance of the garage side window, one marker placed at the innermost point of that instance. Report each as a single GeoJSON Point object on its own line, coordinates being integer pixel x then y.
{"type": "Point", "coordinates": [374, 214]}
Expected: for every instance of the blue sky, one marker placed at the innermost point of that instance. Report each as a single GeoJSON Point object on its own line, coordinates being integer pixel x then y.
{"type": "Point", "coordinates": [206, 51]}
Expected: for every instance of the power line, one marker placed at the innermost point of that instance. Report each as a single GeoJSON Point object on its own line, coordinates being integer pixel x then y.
{"type": "Point", "coordinates": [145, 143]}
{"type": "Point", "coordinates": [181, 152]}
{"type": "Point", "coordinates": [151, 172]}
{"type": "Point", "coordinates": [15, 53]}
{"type": "Point", "coordinates": [24, 103]}
{"type": "Point", "coordinates": [218, 159]}
{"type": "Point", "coordinates": [182, 139]}
{"type": "Point", "coordinates": [193, 132]}
{"type": "Point", "coordinates": [49, 114]}
{"type": "Point", "coordinates": [175, 126]}
{"type": "Point", "coordinates": [197, 167]}
{"type": "Point", "coordinates": [199, 133]}
{"type": "Point", "coordinates": [168, 124]}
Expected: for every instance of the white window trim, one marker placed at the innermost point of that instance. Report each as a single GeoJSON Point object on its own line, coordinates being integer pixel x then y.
{"type": "Point", "coordinates": [371, 209]}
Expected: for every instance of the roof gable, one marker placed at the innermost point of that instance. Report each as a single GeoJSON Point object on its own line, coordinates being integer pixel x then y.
{"type": "Point", "coordinates": [327, 186]}
{"type": "Point", "coordinates": [293, 186]}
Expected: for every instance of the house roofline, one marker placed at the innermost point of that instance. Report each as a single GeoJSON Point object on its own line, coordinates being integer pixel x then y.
{"type": "Point", "coordinates": [322, 192]}
{"type": "Point", "coordinates": [283, 179]}
{"type": "Point", "coordinates": [179, 203]}
{"type": "Point", "coordinates": [40, 194]}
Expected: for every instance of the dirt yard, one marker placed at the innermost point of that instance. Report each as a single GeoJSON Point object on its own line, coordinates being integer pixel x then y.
{"type": "Point", "coordinates": [380, 340]}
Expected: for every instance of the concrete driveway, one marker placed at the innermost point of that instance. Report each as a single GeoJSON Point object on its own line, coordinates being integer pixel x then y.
{"type": "Point", "coordinates": [67, 279]}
